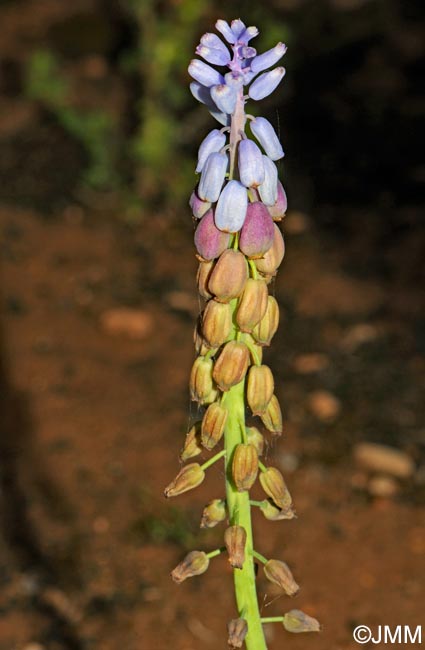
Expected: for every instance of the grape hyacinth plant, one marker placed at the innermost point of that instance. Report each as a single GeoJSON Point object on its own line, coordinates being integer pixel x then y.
{"type": "Point", "coordinates": [237, 205]}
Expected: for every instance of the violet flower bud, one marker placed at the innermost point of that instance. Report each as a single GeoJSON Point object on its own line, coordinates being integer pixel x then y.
{"type": "Point", "coordinates": [213, 55]}
{"type": "Point", "coordinates": [269, 58]}
{"type": "Point", "coordinates": [210, 242]}
{"type": "Point", "coordinates": [250, 32]}
{"type": "Point", "coordinates": [257, 232]}
{"type": "Point", "coordinates": [231, 208]}
{"type": "Point", "coordinates": [214, 41]}
{"type": "Point", "coordinates": [266, 136]}
{"type": "Point", "coordinates": [212, 177]}
{"type": "Point", "coordinates": [234, 79]}
{"type": "Point", "coordinates": [278, 210]}
{"type": "Point", "coordinates": [238, 27]}
{"type": "Point", "coordinates": [203, 95]}
{"type": "Point", "coordinates": [248, 52]}
{"type": "Point", "coordinates": [251, 166]}
{"type": "Point", "coordinates": [265, 84]}
{"type": "Point", "coordinates": [224, 97]}
{"type": "Point", "coordinates": [199, 207]}
{"type": "Point", "coordinates": [224, 28]}
{"type": "Point", "coordinates": [204, 74]}
{"type": "Point", "coordinates": [212, 143]}
{"type": "Point", "coordinates": [268, 189]}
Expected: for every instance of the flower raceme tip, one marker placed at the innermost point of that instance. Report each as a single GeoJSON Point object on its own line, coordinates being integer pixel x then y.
{"type": "Point", "coordinates": [236, 169]}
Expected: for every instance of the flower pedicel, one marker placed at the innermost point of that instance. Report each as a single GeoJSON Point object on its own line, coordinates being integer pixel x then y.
{"type": "Point", "coordinates": [237, 204]}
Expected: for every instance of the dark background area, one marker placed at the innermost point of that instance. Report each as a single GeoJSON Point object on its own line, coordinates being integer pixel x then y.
{"type": "Point", "coordinates": [99, 133]}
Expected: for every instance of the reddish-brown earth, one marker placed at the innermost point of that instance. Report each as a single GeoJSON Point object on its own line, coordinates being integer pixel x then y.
{"type": "Point", "coordinates": [94, 403]}
{"type": "Point", "coordinates": [94, 419]}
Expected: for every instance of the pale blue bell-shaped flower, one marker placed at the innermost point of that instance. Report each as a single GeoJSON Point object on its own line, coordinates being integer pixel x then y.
{"type": "Point", "coordinates": [212, 177]}
{"type": "Point", "coordinates": [250, 162]}
{"type": "Point", "coordinates": [268, 189]}
{"type": "Point", "coordinates": [212, 40]}
{"type": "Point", "coordinates": [203, 95]}
{"type": "Point", "coordinates": [265, 84]}
{"type": "Point", "coordinates": [269, 58]}
{"type": "Point", "coordinates": [205, 74]}
{"type": "Point", "coordinates": [224, 28]}
{"type": "Point", "coordinates": [266, 136]}
{"type": "Point", "coordinates": [214, 141]}
{"type": "Point", "coordinates": [234, 79]}
{"type": "Point", "coordinates": [213, 55]}
{"type": "Point", "coordinates": [238, 27]}
{"type": "Point", "coordinates": [224, 97]}
{"type": "Point", "coordinates": [250, 32]}
{"type": "Point", "coordinates": [231, 207]}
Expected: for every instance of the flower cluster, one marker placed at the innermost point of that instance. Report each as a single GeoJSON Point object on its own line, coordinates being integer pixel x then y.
{"type": "Point", "coordinates": [224, 94]}
{"type": "Point", "coordinates": [236, 205]}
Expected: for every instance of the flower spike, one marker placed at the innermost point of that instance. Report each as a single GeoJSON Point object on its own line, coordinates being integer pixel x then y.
{"type": "Point", "coordinates": [237, 204]}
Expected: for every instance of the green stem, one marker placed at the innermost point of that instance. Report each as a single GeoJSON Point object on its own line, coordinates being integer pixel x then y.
{"type": "Point", "coordinates": [259, 557]}
{"type": "Point", "coordinates": [272, 619]}
{"type": "Point", "coordinates": [240, 513]}
{"type": "Point", "coordinates": [253, 268]}
{"type": "Point", "coordinates": [262, 467]}
{"type": "Point", "coordinates": [252, 350]}
{"type": "Point", "coordinates": [216, 552]}
{"type": "Point", "coordinates": [213, 460]}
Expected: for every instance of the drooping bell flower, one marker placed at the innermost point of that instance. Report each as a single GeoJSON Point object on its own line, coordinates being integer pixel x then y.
{"type": "Point", "coordinates": [250, 161]}
{"type": "Point", "coordinates": [268, 189]}
{"type": "Point", "coordinates": [231, 207]}
{"type": "Point", "coordinates": [269, 58]}
{"type": "Point", "coordinates": [266, 136]}
{"type": "Point", "coordinates": [266, 83]}
{"type": "Point", "coordinates": [212, 177]}
{"type": "Point", "coordinates": [213, 142]}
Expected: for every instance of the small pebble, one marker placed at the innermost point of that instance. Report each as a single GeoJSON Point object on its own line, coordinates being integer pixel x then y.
{"type": "Point", "coordinates": [383, 460]}
{"type": "Point", "coordinates": [101, 525]}
{"type": "Point", "coordinates": [133, 323]}
{"type": "Point", "coordinates": [358, 335]}
{"type": "Point", "coordinates": [306, 364]}
{"type": "Point", "coordinates": [324, 405]}
{"type": "Point", "coordinates": [296, 223]}
{"type": "Point", "coordinates": [383, 486]}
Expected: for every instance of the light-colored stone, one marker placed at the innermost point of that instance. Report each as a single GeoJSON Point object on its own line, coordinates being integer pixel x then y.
{"type": "Point", "coordinates": [358, 335]}
{"type": "Point", "coordinates": [133, 323]}
{"type": "Point", "coordinates": [306, 364]}
{"type": "Point", "coordinates": [183, 301]}
{"type": "Point", "coordinates": [296, 223]}
{"type": "Point", "coordinates": [383, 486]}
{"type": "Point", "coordinates": [324, 405]}
{"type": "Point", "coordinates": [383, 459]}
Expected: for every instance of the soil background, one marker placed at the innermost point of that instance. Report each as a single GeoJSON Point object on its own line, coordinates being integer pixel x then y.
{"type": "Point", "coordinates": [96, 348]}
